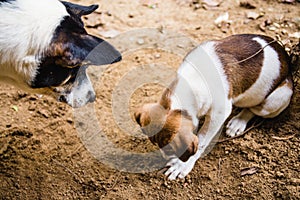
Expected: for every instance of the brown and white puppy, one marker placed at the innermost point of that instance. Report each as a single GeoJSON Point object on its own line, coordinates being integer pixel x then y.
{"type": "Point", "coordinates": [45, 49]}
{"type": "Point", "coordinates": [248, 71]}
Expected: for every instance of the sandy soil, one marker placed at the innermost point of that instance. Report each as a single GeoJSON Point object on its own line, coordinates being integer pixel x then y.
{"type": "Point", "coordinates": [45, 153]}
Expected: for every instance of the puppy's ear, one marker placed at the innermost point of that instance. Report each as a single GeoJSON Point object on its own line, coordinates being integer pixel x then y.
{"type": "Point", "coordinates": [178, 133]}
{"type": "Point", "coordinates": [165, 101]}
{"type": "Point", "coordinates": [137, 116]}
{"type": "Point", "coordinates": [142, 117]}
{"type": "Point", "coordinates": [79, 10]}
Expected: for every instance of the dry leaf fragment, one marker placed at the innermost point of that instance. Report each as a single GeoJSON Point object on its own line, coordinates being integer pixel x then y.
{"type": "Point", "coordinates": [272, 28]}
{"type": "Point", "coordinates": [222, 18]}
{"type": "Point", "coordinates": [149, 3]}
{"type": "Point", "coordinates": [15, 108]}
{"type": "Point", "coordinates": [254, 15]}
{"type": "Point", "coordinates": [288, 1]}
{"type": "Point", "coordinates": [223, 22]}
{"type": "Point", "coordinates": [249, 171]}
{"type": "Point", "coordinates": [264, 24]}
{"type": "Point", "coordinates": [212, 3]}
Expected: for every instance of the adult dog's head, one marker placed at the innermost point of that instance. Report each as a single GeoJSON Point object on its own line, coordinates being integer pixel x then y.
{"type": "Point", "coordinates": [44, 48]}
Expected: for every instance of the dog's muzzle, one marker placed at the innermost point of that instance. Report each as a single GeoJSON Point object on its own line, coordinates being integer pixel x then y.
{"type": "Point", "coordinates": [81, 93]}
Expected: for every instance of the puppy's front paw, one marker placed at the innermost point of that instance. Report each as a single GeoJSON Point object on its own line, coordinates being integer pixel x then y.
{"type": "Point", "coordinates": [179, 169]}
{"type": "Point", "coordinates": [236, 126]}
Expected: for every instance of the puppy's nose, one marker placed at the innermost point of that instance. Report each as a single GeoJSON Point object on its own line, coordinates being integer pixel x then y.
{"type": "Point", "coordinates": [186, 155]}
{"type": "Point", "coordinates": [191, 150]}
{"type": "Point", "coordinates": [91, 96]}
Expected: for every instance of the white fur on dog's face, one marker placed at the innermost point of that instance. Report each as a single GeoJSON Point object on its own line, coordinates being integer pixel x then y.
{"type": "Point", "coordinates": [44, 48]}
{"type": "Point", "coordinates": [76, 93]}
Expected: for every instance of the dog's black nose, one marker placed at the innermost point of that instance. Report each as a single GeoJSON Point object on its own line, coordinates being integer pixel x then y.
{"type": "Point", "coordinates": [91, 96]}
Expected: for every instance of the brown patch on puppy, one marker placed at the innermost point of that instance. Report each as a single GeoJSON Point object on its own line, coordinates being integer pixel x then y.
{"type": "Point", "coordinates": [178, 133]}
{"type": "Point", "coordinates": [242, 72]}
{"type": "Point", "coordinates": [240, 75]}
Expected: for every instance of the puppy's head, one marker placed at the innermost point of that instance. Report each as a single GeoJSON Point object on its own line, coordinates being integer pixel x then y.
{"type": "Point", "coordinates": [62, 68]}
{"type": "Point", "coordinates": [171, 130]}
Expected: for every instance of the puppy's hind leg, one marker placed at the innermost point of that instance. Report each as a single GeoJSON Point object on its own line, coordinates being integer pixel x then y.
{"type": "Point", "coordinates": [276, 102]}
{"type": "Point", "coordinates": [272, 106]}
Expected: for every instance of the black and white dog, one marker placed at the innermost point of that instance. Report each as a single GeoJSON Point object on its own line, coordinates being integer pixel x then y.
{"type": "Point", "coordinates": [45, 49]}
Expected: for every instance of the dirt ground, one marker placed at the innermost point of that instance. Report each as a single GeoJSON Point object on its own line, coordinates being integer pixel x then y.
{"type": "Point", "coordinates": [42, 146]}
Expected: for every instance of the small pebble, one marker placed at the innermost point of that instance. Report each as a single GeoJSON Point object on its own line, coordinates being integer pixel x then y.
{"type": "Point", "coordinates": [141, 41]}
{"type": "Point", "coordinates": [157, 55]}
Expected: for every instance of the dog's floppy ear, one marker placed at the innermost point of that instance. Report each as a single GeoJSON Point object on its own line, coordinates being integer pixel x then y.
{"type": "Point", "coordinates": [79, 10]}
{"type": "Point", "coordinates": [72, 45]}
{"type": "Point", "coordinates": [84, 50]}
{"type": "Point", "coordinates": [137, 116]}
{"type": "Point", "coordinates": [142, 117]}
{"type": "Point", "coordinates": [178, 133]}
